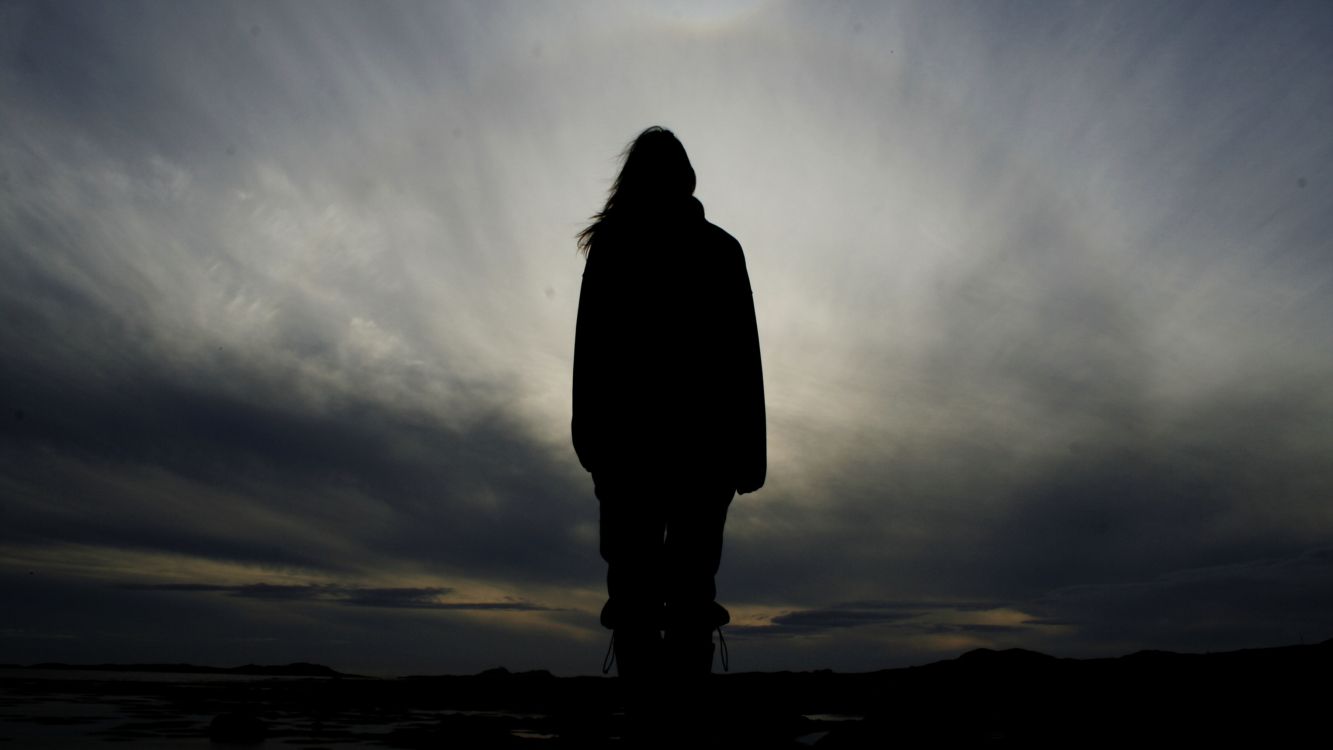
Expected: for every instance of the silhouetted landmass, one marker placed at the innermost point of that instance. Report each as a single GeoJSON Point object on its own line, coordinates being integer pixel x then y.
{"type": "Point", "coordinates": [295, 669]}
{"type": "Point", "coordinates": [1272, 695]}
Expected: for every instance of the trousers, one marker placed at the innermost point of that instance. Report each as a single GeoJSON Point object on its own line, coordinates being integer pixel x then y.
{"type": "Point", "coordinates": [662, 543]}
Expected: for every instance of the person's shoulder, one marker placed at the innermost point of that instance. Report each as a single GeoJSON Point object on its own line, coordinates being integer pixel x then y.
{"type": "Point", "coordinates": [722, 250]}
{"type": "Point", "coordinates": [713, 234]}
{"type": "Point", "coordinates": [721, 238]}
{"type": "Point", "coordinates": [726, 254]}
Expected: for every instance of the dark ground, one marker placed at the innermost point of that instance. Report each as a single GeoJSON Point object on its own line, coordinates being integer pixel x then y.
{"type": "Point", "coordinates": [1259, 695]}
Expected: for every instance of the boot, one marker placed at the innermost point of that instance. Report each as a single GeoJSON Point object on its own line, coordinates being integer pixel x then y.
{"type": "Point", "coordinates": [639, 669]}
{"type": "Point", "coordinates": [695, 711]}
{"type": "Point", "coordinates": [689, 639]}
{"type": "Point", "coordinates": [638, 654]}
{"type": "Point", "coordinates": [689, 654]}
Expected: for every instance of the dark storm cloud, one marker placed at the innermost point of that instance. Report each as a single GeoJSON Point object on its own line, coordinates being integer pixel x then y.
{"type": "Point", "coordinates": [430, 478]}
{"type": "Point", "coordinates": [1275, 600]}
{"type": "Point", "coordinates": [1087, 501]}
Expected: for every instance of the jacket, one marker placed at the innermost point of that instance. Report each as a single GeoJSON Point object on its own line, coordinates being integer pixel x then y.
{"type": "Point", "coordinates": [668, 383]}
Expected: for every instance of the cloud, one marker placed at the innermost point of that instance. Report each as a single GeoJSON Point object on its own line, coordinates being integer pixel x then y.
{"type": "Point", "coordinates": [907, 617]}
{"type": "Point", "coordinates": [404, 597]}
{"type": "Point", "coordinates": [255, 479]}
{"type": "Point", "coordinates": [287, 297]}
{"type": "Point", "coordinates": [1271, 600]}
{"type": "Point", "coordinates": [1275, 600]}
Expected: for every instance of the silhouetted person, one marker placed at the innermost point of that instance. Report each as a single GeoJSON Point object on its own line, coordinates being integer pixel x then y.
{"type": "Point", "coordinates": [668, 408]}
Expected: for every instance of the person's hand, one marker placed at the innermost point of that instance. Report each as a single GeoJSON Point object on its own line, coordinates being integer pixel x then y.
{"type": "Point", "coordinates": [748, 486]}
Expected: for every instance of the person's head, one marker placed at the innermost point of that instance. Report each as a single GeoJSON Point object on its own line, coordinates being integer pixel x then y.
{"type": "Point", "coordinates": [656, 171]}
{"type": "Point", "coordinates": [656, 168]}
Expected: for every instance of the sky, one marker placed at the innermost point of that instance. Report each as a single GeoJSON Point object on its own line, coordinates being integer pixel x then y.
{"type": "Point", "coordinates": [288, 290]}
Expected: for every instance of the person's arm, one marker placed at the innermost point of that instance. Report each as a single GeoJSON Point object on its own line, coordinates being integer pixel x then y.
{"type": "Point", "coordinates": [753, 454]}
{"type": "Point", "coordinates": [587, 370]}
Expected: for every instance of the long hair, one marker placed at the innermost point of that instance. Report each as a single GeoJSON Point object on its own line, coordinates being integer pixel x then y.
{"type": "Point", "coordinates": [656, 171]}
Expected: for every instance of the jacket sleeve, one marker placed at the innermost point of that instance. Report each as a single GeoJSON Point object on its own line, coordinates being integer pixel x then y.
{"type": "Point", "coordinates": [588, 369]}
{"type": "Point", "coordinates": [753, 455]}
